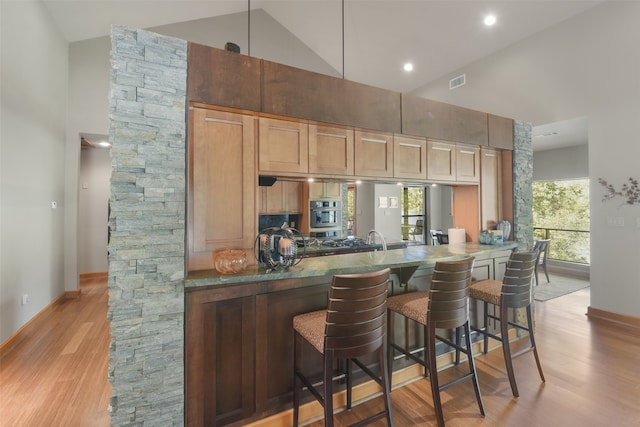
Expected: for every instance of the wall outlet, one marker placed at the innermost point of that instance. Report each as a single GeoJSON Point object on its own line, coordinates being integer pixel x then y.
{"type": "Point", "coordinates": [616, 221]}
{"type": "Point", "coordinates": [25, 299]}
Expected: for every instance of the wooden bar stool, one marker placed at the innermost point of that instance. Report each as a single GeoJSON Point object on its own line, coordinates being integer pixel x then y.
{"type": "Point", "coordinates": [445, 306]}
{"type": "Point", "coordinates": [513, 292]}
{"type": "Point", "coordinates": [353, 325]}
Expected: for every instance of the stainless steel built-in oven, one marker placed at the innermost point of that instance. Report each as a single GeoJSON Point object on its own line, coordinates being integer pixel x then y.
{"type": "Point", "coordinates": [325, 213]}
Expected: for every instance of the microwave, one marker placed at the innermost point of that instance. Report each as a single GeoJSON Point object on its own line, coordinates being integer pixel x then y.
{"type": "Point", "coordinates": [325, 213]}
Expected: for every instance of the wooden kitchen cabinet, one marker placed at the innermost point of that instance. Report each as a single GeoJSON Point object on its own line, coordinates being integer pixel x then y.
{"type": "Point", "coordinates": [467, 163]}
{"type": "Point", "coordinates": [409, 157]}
{"type": "Point", "coordinates": [373, 154]}
{"type": "Point", "coordinates": [325, 190]}
{"type": "Point", "coordinates": [438, 120]}
{"type": "Point", "coordinates": [221, 180]}
{"type": "Point", "coordinates": [490, 188]}
{"type": "Point", "coordinates": [282, 197]}
{"type": "Point", "coordinates": [441, 160]}
{"type": "Point", "coordinates": [220, 346]}
{"type": "Point", "coordinates": [331, 150]}
{"type": "Point", "coordinates": [500, 132]}
{"type": "Point", "coordinates": [283, 147]}
{"type": "Point", "coordinates": [220, 77]}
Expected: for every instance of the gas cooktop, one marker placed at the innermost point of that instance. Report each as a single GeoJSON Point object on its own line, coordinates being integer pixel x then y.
{"type": "Point", "coordinates": [345, 242]}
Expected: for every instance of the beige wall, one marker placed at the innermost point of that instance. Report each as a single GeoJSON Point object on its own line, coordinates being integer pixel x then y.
{"type": "Point", "coordinates": [584, 67]}
{"type": "Point", "coordinates": [32, 123]}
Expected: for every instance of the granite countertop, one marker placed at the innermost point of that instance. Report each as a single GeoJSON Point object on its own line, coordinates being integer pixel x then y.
{"type": "Point", "coordinates": [412, 256]}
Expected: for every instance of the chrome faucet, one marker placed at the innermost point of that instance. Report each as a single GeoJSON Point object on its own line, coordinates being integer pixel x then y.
{"type": "Point", "coordinates": [373, 235]}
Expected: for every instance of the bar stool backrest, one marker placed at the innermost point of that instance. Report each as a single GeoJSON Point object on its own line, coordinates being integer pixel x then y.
{"type": "Point", "coordinates": [356, 313]}
{"type": "Point", "coordinates": [449, 293]}
{"type": "Point", "coordinates": [518, 278]}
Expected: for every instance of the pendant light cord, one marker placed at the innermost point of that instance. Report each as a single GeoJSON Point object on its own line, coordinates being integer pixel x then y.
{"type": "Point", "coordinates": [343, 39]}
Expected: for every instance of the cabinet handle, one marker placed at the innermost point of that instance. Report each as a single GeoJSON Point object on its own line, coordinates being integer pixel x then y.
{"type": "Point", "coordinates": [332, 135]}
{"type": "Point", "coordinates": [379, 141]}
{"type": "Point", "coordinates": [229, 122]}
{"type": "Point", "coordinates": [441, 149]}
{"type": "Point", "coordinates": [490, 155]}
{"type": "Point", "coordinates": [467, 152]}
{"type": "Point", "coordinates": [406, 144]}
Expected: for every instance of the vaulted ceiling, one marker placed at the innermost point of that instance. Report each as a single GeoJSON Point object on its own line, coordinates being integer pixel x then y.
{"type": "Point", "coordinates": [363, 40]}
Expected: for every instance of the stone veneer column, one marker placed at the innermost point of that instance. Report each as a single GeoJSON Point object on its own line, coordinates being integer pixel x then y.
{"type": "Point", "coordinates": [522, 183]}
{"type": "Point", "coordinates": [147, 246]}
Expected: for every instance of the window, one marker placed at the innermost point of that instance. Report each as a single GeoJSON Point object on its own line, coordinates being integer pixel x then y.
{"type": "Point", "coordinates": [413, 208]}
{"type": "Point", "coordinates": [561, 213]}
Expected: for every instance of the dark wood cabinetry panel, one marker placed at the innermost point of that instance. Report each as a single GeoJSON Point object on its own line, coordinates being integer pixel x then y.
{"type": "Point", "coordinates": [274, 357]}
{"type": "Point", "coordinates": [437, 120]}
{"type": "Point", "coordinates": [219, 77]}
{"type": "Point", "coordinates": [500, 132]}
{"type": "Point", "coordinates": [372, 108]}
{"type": "Point", "coordinates": [219, 349]}
{"type": "Point", "coordinates": [294, 92]}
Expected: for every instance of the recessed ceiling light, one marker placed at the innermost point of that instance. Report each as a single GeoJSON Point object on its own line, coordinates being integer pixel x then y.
{"type": "Point", "coordinates": [489, 20]}
{"type": "Point", "coordinates": [408, 66]}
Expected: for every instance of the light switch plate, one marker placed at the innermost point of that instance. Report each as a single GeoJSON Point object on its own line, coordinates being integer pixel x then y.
{"type": "Point", "coordinates": [54, 204]}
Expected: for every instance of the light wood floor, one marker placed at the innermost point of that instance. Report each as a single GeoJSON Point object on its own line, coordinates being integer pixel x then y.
{"type": "Point", "coordinates": [58, 375]}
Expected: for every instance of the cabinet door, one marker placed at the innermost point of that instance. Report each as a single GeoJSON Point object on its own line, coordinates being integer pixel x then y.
{"type": "Point", "coordinates": [489, 188]}
{"type": "Point", "coordinates": [467, 163]}
{"type": "Point", "coordinates": [409, 157]}
{"type": "Point", "coordinates": [373, 154]}
{"type": "Point", "coordinates": [291, 197]}
{"type": "Point", "coordinates": [281, 197]}
{"type": "Point", "coordinates": [441, 160]}
{"type": "Point", "coordinates": [220, 356]}
{"type": "Point", "coordinates": [222, 179]}
{"type": "Point", "coordinates": [325, 190]}
{"type": "Point", "coordinates": [283, 146]}
{"type": "Point", "coordinates": [330, 150]}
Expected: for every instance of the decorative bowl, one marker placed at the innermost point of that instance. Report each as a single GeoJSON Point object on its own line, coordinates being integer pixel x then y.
{"type": "Point", "coordinates": [230, 261]}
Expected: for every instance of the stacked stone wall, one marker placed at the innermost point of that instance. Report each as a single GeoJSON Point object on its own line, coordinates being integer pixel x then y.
{"type": "Point", "coordinates": [147, 221]}
{"type": "Point", "coordinates": [523, 183]}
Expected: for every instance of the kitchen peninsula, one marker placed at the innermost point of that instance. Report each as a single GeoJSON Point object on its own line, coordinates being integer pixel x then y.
{"type": "Point", "coordinates": [274, 121]}
{"type": "Point", "coordinates": [239, 340]}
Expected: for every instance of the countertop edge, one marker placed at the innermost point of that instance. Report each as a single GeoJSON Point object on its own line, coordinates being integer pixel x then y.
{"type": "Point", "coordinates": [413, 256]}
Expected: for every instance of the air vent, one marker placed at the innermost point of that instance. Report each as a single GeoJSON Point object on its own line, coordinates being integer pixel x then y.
{"type": "Point", "coordinates": [457, 81]}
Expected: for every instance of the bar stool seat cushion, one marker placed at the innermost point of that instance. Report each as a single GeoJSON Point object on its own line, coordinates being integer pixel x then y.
{"type": "Point", "coordinates": [486, 290]}
{"type": "Point", "coordinates": [411, 304]}
{"type": "Point", "coordinates": [311, 326]}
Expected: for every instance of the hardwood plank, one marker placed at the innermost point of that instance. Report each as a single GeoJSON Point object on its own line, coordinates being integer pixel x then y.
{"type": "Point", "coordinates": [590, 366]}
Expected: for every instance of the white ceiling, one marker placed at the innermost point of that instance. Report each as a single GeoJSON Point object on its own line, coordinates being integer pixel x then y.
{"type": "Point", "coordinates": [438, 37]}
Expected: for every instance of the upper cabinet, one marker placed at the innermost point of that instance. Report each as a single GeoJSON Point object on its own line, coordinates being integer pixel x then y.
{"type": "Point", "coordinates": [490, 188]}
{"type": "Point", "coordinates": [219, 77]}
{"type": "Point", "coordinates": [409, 157]}
{"type": "Point", "coordinates": [325, 190]}
{"type": "Point", "coordinates": [448, 161]}
{"type": "Point", "coordinates": [294, 92]}
{"type": "Point", "coordinates": [441, 157]}
{"type": "Point", "coordinates": [500, 132]}
{"type": "Point", "coordinates": [222, 184]}
{"type": "Point", "coordinates": [330, 150]}
{"type": "Point", "coordinates": [280, 198]}
{"type": "Point", "coordinates": [283, 146]}
{"type": "Point", "coordinates": [437, 120]}
{"type": "Point", "coordinates": [373, 154]}
{"type": "Point", "coordinates": [467, 163]}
